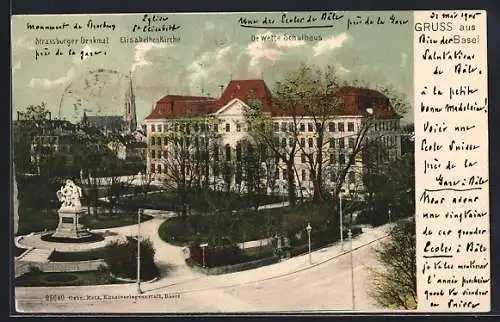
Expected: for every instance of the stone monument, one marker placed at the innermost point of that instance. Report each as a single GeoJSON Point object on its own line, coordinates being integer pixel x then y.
{"type": "Point", "coordinates": [70, 213]}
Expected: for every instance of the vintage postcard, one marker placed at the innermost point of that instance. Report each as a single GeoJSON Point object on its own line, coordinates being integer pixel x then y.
{"type": "Point", "coordinates": [261, 162]}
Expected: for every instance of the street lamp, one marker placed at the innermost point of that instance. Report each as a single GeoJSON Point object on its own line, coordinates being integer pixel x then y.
{"type": "Point", "coordinates": [389, 213]}
{"type": "Point", "coordinates": [203, 249]}
{"type": "Point", "coordinates": [139, 214]}
{"type": "Point", "coordinates": [309, 228]}
{"type": "Point", "coordinates": [341, 224]}
{"type": "Point", "coordinates": [349, 234]}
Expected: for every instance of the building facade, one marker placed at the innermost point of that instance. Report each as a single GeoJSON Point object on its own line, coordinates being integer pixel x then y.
{"type": "Point", "coordinates": [214, 135]}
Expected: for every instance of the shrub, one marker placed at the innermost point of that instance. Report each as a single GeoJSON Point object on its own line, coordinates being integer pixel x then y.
{"type": "Point", "coordinates": [228, 254]}
{"type": "Point", "coordinates": [121, 258]}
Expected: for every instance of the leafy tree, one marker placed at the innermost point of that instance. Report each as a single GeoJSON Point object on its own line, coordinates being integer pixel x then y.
{"type": "Point", "coordinates": [121, 258]}
{"type": "Point", "coordinates": [395, 284]}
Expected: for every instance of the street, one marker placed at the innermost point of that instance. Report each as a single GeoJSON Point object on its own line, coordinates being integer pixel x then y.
{"type": "Point", "coordinates": [291, 285]}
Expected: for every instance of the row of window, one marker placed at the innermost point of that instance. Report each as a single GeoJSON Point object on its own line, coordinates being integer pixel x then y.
{"type": "Point", "coordinates": [311, 127]}
{"type": "Point", "coordinates": [278, 127]}
{"type": "Point", "coordinates": [181, 127]}
{"type": "Point", "coordinates": [386, 125]}
{"type": "Point", "coordinates": [197, 141]}
{"type": "Point", "coordinates": [160, 169]}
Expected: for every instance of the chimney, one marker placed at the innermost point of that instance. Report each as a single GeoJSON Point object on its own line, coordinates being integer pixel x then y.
{"type": "Point", "coordinates": [221, 89]}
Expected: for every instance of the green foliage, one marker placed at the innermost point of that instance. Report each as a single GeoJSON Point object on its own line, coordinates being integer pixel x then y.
{"type": "Point", "coordinates": [395, 284]}
{"type": "Point", "coordinates": [390, 189]}
{"type": "Point", "coordinates": [121, 258]}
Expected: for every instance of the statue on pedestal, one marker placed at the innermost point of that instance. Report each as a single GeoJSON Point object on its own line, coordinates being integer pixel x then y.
{"type": "Point", "coordinates": [70, 212]}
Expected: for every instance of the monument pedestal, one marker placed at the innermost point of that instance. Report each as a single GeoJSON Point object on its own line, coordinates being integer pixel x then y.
{"type": "Point", "coordinates": [69, 224]}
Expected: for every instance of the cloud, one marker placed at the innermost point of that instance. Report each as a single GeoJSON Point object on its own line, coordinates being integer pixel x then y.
{"type": "Point", "coordinates": [16, 66]}
{"type": "Point", "coordinates": [50, 84]}
{"type": "Point", "coordinates": [258, 51]}
{"type": "Point", "coordinates": [141, 50]}
{"type": "Point", "coordinates": [329, 44]}
{"type": "Point", "coordinates": [404, 57]}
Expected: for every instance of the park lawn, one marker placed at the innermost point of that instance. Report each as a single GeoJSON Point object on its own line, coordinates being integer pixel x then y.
{"type": "Point", "coordinates": [197, 201]}
{"type": "Point", "coordinates": [37, 220]}
{"type": "Point", "coordinates": [249, 225]}
{"type": "Point", "coordinates": [120, 219]}
{"type": "Point", "coordinates": [83, 278]}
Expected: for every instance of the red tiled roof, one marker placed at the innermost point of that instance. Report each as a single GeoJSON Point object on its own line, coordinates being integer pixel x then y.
{"type": "Point", "coordinates": [241, 89]}
{"type": "Point", "coordinates": [354, 101]}
{"type": "Point", "coordinates": [172, 106]}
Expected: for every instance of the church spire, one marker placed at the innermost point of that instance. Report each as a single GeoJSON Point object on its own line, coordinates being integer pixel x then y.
{"type": "Point", "coordinates": [130, 110]}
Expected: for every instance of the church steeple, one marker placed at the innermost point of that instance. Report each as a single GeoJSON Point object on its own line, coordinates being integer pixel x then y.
{"type": "Point", "coordinates": [130, 116]}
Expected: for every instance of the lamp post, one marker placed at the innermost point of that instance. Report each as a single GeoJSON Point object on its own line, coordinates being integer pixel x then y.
{"type": "Point", "coordinates": [352, 187]}
{"type": "Point", "coordinates": [203, 250]}
{"type": "Point", "coordinates": [139, 214]}
{"type": "Point", "coordinates": [349, 234]}
{"type": "Point", "coordinates": [341, 224]}
{"type": "Point", "coordinates": [309, 228]}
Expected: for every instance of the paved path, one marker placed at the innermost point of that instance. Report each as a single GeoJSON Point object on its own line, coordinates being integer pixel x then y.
{"type": "Point", "coordinates": [293, 284]}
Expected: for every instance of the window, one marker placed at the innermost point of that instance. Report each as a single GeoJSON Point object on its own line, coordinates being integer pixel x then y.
{"type": "Point", "coordinates": [284, 174]}
{"type": "Point", "coordinates": [340, 126]}
{"type": "Point", "coordinates": [350, 126]}
{"type": "Point", "coordinates": [165, 154]}
{"type": "Point", "coordinates": [291, 127]}
{"type": "Point", "coordinates": [351, 143]}
{"type": "Point", "coordinates": [276, 127]}
{"type": "Point", "coordinates": [153, 154]}
{"type": "Point", "coordinates": [283, 142]}
{"type": "Point", "coordinates": [158, 168]}
{"type": "Point", "coordinates": [216, 128]}
{"type": "Point", "coordinates": [310, 127]}
{"type": "Point", "coordinates": [303, 158]}
{"type": "Point", "coordinates": [195, 127]}
{"type": "Point", "coordinates": [331, 144]}
{"type": "Point", "coordinates": [302, 127]}
{"type": "Point", "coordinates": [238, 152]}
{"type": "Point", "coordinates": [332, 158]}
{"type": "Point", "coordinates": [283, 127]}
{"type": "Point", "coordinates": [166, 127]}
{"type": "Point", "coordinates": [310, 142]}
{"type": "Point", "coordinates": [342, 159]}
{"type": "Point", "coordinates": [228, 127]}
{"type": "Point", "coordinates": [331, 127]}
{"type": "Point", "coordinates": [238, 127]}
{"type": "Point", "coordinates": [341, 143]}
{"type": "Point", "coordinates": [290, 142]}
{"type": "Point", "coordinates": [152, 140]}
{"type": "Point", "coordinates": [351, 178]}
{"type": "Point", "coordinates": [153, 168]}
{"type": "Point", "coordinates": [302, 142]}
{"type": "Point", "coordinates": [216, 153]}
{"type": "Point", "coordinates": [228, 152]}
{"type": "Point", "coordinates": [304, 175]}
{"type": "Point", "coordinates": [165, 140]}
{"type": "Point", "coordinates": [153, 128]}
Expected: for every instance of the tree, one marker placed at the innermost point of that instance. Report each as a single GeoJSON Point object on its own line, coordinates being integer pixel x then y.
{"type": "Point", "coordinates": [30, 123]}
{"type": "Point", "coordinates": [395, 284]}
{"type": "Point", "coordinates": [185, 155]}
{"type": "Point", "coordinates": [121, 258]}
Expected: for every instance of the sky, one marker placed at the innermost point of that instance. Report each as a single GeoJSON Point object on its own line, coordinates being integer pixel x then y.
{"type": "Point", "coordinates": [213, 49]}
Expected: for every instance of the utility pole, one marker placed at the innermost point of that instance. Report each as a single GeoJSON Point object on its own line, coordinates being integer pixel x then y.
{"type": "Point", "coordinates": [139, 214]}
